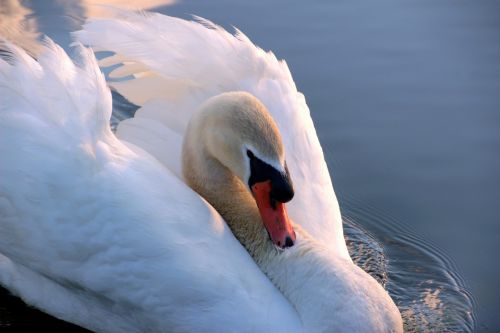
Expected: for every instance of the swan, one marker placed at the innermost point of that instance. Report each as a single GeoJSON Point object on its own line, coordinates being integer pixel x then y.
{"type": "Point", "coordinates": [103, 231]}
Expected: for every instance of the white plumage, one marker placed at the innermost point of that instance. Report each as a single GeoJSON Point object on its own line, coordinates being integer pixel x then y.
{"type": "Point", "coordinates": [178, 64]}
{"type": "Point", "coordinates": [105, 234]}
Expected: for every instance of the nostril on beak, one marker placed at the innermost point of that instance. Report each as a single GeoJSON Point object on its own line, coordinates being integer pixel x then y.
{"type": "Point", "coordinates": [288, 242]}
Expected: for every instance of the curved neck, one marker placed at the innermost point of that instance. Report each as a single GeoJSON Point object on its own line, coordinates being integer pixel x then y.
{"type": "Point", "coordinates": [230, 197]}
{"type": "Point", "coordinates": [324, 288]}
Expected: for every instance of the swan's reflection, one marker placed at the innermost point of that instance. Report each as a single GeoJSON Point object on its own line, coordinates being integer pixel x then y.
{"type": "Point", "coordinates": [426, 312]}
{"type": "Point", "coordinates": [18, 25]}
{"type": "Point", "coordinates": [23, 21]}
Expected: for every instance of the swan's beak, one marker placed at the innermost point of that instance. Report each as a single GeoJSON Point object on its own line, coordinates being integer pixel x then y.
{"type": "Point", "coordinates": [273, 215]}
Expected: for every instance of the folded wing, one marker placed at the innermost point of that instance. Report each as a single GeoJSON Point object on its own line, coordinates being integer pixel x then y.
{"type": "Point", "coordinates": [169, 66]}
{"type": "Point", "coordinates": [105, 236]}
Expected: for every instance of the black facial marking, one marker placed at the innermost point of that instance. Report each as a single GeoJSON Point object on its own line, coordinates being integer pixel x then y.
{"type": "Point", "coordinates": [281, 184]}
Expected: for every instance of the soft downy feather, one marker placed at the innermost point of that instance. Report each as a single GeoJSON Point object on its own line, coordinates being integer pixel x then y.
{"type": "Point", "coordinates": [170, 66]}
{"type": "Point", "coordinates": [100, 235]}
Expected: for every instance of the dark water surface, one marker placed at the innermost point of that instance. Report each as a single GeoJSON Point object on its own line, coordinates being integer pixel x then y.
{"type": "Point", "coordinates": [405, 95]}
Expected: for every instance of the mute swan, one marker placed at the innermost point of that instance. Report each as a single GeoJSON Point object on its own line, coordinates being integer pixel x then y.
{"type": "Point", "coordinates": [98, 232]}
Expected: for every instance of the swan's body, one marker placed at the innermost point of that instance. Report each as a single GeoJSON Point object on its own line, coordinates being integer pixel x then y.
{"type": "Point", "coordinates": [103, 234]}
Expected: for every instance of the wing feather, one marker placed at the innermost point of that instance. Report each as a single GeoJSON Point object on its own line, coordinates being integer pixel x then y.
{"type": "Point", "coordinates": [105, 236]}
{"type": "Point", "coordinates": [187, 62]}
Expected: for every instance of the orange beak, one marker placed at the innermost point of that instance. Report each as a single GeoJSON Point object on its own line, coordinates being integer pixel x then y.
{"type": "Point", "coordinates": [273, 215]}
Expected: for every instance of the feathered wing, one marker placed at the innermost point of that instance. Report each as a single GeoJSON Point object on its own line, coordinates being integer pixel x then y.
{"type": "Point", "coordinates": [104, 236]}
{"type": "Point", "coordinates": [169, 66]}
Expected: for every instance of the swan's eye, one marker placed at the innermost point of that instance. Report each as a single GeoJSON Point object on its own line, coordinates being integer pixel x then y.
{"type": "Point", "coordinates": [250, 154]}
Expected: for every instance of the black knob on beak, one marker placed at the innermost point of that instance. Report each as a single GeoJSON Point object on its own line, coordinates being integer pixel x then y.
{"type": "Point", "coordinates": [281, 184]}
{"type": "Point", "coordinates": [282, 188]}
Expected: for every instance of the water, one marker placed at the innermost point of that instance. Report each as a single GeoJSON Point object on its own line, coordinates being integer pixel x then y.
{"type": "Point", "coordinates": [405, 96]}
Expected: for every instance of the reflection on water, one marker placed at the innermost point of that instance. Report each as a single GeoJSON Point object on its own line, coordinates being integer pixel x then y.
{"type": "Point", "coordinates": [18, 24]}
{"type": "Point", "coordinates": [22, 21]}
{"type": "Point", "coordinates": [424, 283]}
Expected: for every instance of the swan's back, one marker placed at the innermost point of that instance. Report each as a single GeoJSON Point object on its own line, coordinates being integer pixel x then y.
{"type": "Point", "coordinates": [104, 237]}
{"type": "Point", "coordinates": [177, 64]}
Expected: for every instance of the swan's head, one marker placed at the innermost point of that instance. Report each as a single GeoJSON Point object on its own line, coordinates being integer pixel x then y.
{"type": "Point", "coordinates": [240, 133]}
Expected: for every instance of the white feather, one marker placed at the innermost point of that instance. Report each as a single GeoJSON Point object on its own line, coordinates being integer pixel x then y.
{"type": "Point", "coordinates": [105, 234]}
{"type": "Point", "coordinates": [189, 62]}
{"type": "Point", "coordinates": [90, 230]}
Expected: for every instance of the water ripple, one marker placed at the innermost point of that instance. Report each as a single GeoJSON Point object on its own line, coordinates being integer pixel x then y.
{"type": "Point", "coordinates": [424, 283]}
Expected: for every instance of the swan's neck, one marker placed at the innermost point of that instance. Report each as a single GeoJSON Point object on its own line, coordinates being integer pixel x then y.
{"type": "Point", "coordinates": [323, 288]}
{"type": "Point", "coordinates": [229, 196]}
{"type": "Point", "coordinates": [232, 199]}
{"type": "Point", "coordinates": [289, 269]}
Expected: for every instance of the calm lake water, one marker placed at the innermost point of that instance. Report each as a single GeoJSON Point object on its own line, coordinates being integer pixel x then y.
{"type": "Point", "coordinates": [405, 95]}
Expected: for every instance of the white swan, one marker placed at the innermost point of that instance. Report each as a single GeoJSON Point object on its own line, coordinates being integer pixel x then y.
{"type": "Point", "coordinates": [98, 232]}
